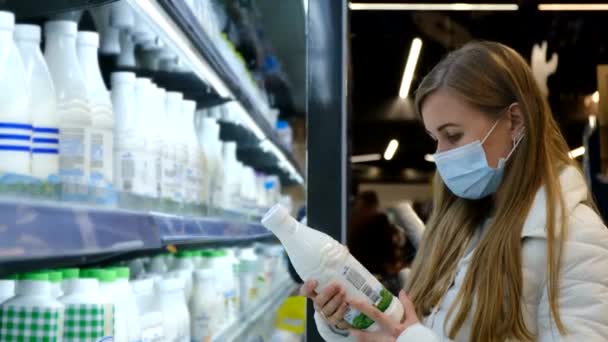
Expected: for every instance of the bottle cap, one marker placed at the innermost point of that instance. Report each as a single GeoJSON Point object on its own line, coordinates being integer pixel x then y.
{"type": "Point", "coordinates": [122, 77]}
{"type": "Point", "coordinates": [7, 20]}
{"type": "Point", "coordinates": [70, 273]}
{"type": "Point", "coordinates": [89, 38]}
{"type": "Point", "coordinates": [276, 218]}
{"type": "Point", "coordinates": [37, 276]}
{"type": "Point", "coordinates": [121, 272]}
{"type": "Point", "coordinates": [106, 276]}
{"type": "Point", "coordinates": [65, 27]}
{"type": "Point", "coordinates": [27, 32]}
{"type": "Point", "coordinates": [55, 276]}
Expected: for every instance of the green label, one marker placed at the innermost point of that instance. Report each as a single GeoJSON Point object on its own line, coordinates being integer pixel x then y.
{"type": "Point", "coordinates": [29, 324]}
{"type": "Point", "coordinates": [84, 323]}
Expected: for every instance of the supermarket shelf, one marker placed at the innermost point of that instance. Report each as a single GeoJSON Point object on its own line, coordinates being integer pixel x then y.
{"type": "Point", "coordinates": [198, 230]}
{"type": "Point", "coordinates": [43, 230]}
{"type": "Point", "coordinates": [236, 331]}
{"type": "Point", "coordinates": [197, 47]}
{"type": "Point", "coordinates": [37, 229]}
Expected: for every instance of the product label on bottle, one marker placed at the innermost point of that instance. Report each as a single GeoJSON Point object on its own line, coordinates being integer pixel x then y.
{"type": "Point", "coordinates": [85, 322]}
{"type": "Point", "coordinates": [169, 179]}
{"type": "Point", "coordinates": [45, 141]}
{"type": "Point", "coordinates": [126, 171]}
{"type": "Point", "coordinates": [158, 166]}
{"type": "Point", "coordinates": [201, 327]}
{"type": "Point", "coordinates": [153, 334]}
{"type": "Point", "coordinates": [20, 323]}
{"type": "Point", "coordinates": [354, 273]}
{"type": "Point", "coordinates": [73, 168]}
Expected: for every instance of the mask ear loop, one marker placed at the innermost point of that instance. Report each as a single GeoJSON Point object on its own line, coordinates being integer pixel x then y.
{"type": "Point", "coordinates": [490, 132]}
{"type": "Point", "coordinates": [520, 137]}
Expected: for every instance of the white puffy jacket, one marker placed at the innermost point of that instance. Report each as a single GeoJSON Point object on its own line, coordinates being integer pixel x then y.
{"type": "Point", "coordinates": [583, 296]}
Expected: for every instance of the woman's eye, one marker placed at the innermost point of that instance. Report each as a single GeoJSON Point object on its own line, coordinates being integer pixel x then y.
{"type": "Point", "coordinates": [454, 138]}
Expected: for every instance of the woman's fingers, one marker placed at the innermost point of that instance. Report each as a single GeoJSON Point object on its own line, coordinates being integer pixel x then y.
{"type": "Point", "coordinates": [390, 326]}
{"type": "Point", "coordinates": [326, 295]}
{"type": "Point", "coordinates": [410, 311]}
{"type": "Point", "coordinates": [343, 325]}
{"type": "Point", "coordinates": [333, 304]}
{"type": "Point", "coordinates": [336, 318]}
{"type": "Point", "coordinates": [308, 289]}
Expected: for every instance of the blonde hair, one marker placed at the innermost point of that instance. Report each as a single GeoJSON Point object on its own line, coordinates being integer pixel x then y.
{"type": "Point", "coordinates": [491, 76]}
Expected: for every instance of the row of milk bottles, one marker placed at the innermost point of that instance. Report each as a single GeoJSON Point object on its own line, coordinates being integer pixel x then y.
{"type": "Point", "coordinates": [189, 297]}
{"type": "Point", "coordinates": [56, 115]}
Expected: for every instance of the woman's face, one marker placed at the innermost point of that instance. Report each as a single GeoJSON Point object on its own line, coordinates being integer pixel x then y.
{"type": "Point", "coordinates": [452, 123]}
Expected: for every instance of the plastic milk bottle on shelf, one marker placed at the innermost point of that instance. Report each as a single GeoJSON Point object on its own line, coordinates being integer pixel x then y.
{"type": "Point", "coordinates": [317, 256]}
{"type": "Point", "coordinates": [72, 107]}
{"type": "Point", "coordinates": [45, 134]}
{"type": "Point", "coordinates": [102, 118]}
{"type": "Point", "coordinates": [15, 118]}
{"type": "Point", "coordinates": [33, 313]}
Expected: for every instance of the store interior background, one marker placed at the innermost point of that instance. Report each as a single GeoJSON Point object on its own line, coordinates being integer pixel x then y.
{"type": "Point", "coordinates": [380, 41]}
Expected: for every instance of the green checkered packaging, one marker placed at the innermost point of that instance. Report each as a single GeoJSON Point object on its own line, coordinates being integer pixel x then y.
{"type": "Point", "coordinates": [83, 323]}
{"type": "Point", "coordinates": [29, 324]}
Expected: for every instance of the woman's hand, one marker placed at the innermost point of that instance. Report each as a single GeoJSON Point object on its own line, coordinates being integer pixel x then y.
{"type": "Point", "coordinates": [390, 329]}
{"type": "Point", "coordinates": [330, 303]}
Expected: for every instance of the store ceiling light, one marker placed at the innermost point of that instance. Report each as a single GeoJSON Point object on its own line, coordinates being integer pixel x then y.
{"type": "Point", "coordinates": [357, 6]}
{"type": "Point", "coordinates": [363, 158]}
{"type": "Point", "coordinates": [573, 7]}
{"type": "Point", "coordinates": [577, 152]}
{"type": "Point", "coordinates": [410, 68]}
{"type": "Point", "coordinates": [592, 121]}
{"type": "Point", "coordinates": [391, 149]}
{"type": "Point", "coordinates": [429, 158]}
{"type": "Point", "coordinates": [596, 97]}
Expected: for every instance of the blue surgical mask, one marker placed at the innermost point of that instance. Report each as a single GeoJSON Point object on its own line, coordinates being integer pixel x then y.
{"type": "Point", "coordinates": [465, 170]}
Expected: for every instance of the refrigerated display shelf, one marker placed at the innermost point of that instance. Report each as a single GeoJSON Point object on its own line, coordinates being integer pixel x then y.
{"type": "Point", "coordinates": [42, 230]}
{"type": "Point", "coordinates": [183, 18]}
{"type": "Point", "coordinates": [267, 305]}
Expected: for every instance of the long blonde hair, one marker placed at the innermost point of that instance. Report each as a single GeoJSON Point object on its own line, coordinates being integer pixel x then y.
{"type": "Point", "coordinates": [491, 76]}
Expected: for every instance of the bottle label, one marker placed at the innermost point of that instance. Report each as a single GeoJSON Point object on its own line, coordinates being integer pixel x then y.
{"type": "Point", "coordinates": [125, 172]}
{"type": "Point", "coordinates": [371, 289]}
{"type": "Point", "coordinates": [201, 326]}
{"type": "Point", "coordinates": [153, 334]}
{"type": "Point", "coordinates": [100, 159]}
{"type": "Point", "coordinates": [73, 161]}
{"type": "Point", "coordinates": [15, 137]}
{"type": "Point", "coordinates": [85, 322]}
{"type": "Point", "coordinates": [158, 166]}
{"type": "Point", "coordinates": [20, 323]}
{"type": "Point", "coordinates": [45, 141]}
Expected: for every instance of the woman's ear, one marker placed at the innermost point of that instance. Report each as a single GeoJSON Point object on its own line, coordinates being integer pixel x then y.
{"type": "Point", "coordinates": [516, 119]}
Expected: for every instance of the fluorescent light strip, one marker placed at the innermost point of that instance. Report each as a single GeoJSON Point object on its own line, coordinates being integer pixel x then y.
{"type": "Point", "coordinates": [410, 68]}
{"type": "Point", "coordinates": [363, 158]}
{"type": "Point", "coordinates": [284, 163]}
{"type": "Point", "coordinates": [392, 147]}
{"type": "Point", "coordinates": [157, 17]}
{"type": "Point", "coordinates": [356, 6]}
{"type": "Point", "coordinates": [577, 152]}
{"type": "Point", "coordinates": [573, 7]}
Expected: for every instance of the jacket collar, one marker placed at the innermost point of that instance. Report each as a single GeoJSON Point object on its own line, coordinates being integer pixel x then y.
{"type": "Point", "coordinates": [574, 190]}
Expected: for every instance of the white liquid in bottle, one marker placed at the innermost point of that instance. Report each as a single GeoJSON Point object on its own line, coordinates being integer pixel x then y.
{"type": "Point", "coordinates": [15, 118]}
{"type": "Point", "coordinates": [72, 107]}
{"type": "Point", "coordinates": [102, 118]}
{"type": "Point", "coordinates": [43, 107]}
{"type": "Point", "coordinates": [317, 256]}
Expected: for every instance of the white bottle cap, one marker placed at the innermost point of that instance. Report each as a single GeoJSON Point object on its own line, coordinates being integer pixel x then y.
{"type": "Point", "coordinates": [174, 96]}
{"type": "Point", "coordinates": [142, 82]}
{"type": "Point", "coordinates": [7, 287]}
{"type": "Point", "coordinates": [89, 38]}
{"type": "Point", "coordinates": [277, 218]}
{"type": "Point", "coordinates": [7, 20]}
{"type": "Point", "coordinates": [122, 77]}
{"type": "Point", "coordinates": [65, 27]}
{"type": "Point", "coordinates": [142, 286]}
{"type": "Point", "coordinates": [189, 106]}
{"type": "Point", "coordinates": [27, 32]}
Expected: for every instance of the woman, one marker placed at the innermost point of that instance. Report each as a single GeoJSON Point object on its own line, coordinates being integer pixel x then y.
{"type": "Point", "coordinates": [513, 249]}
